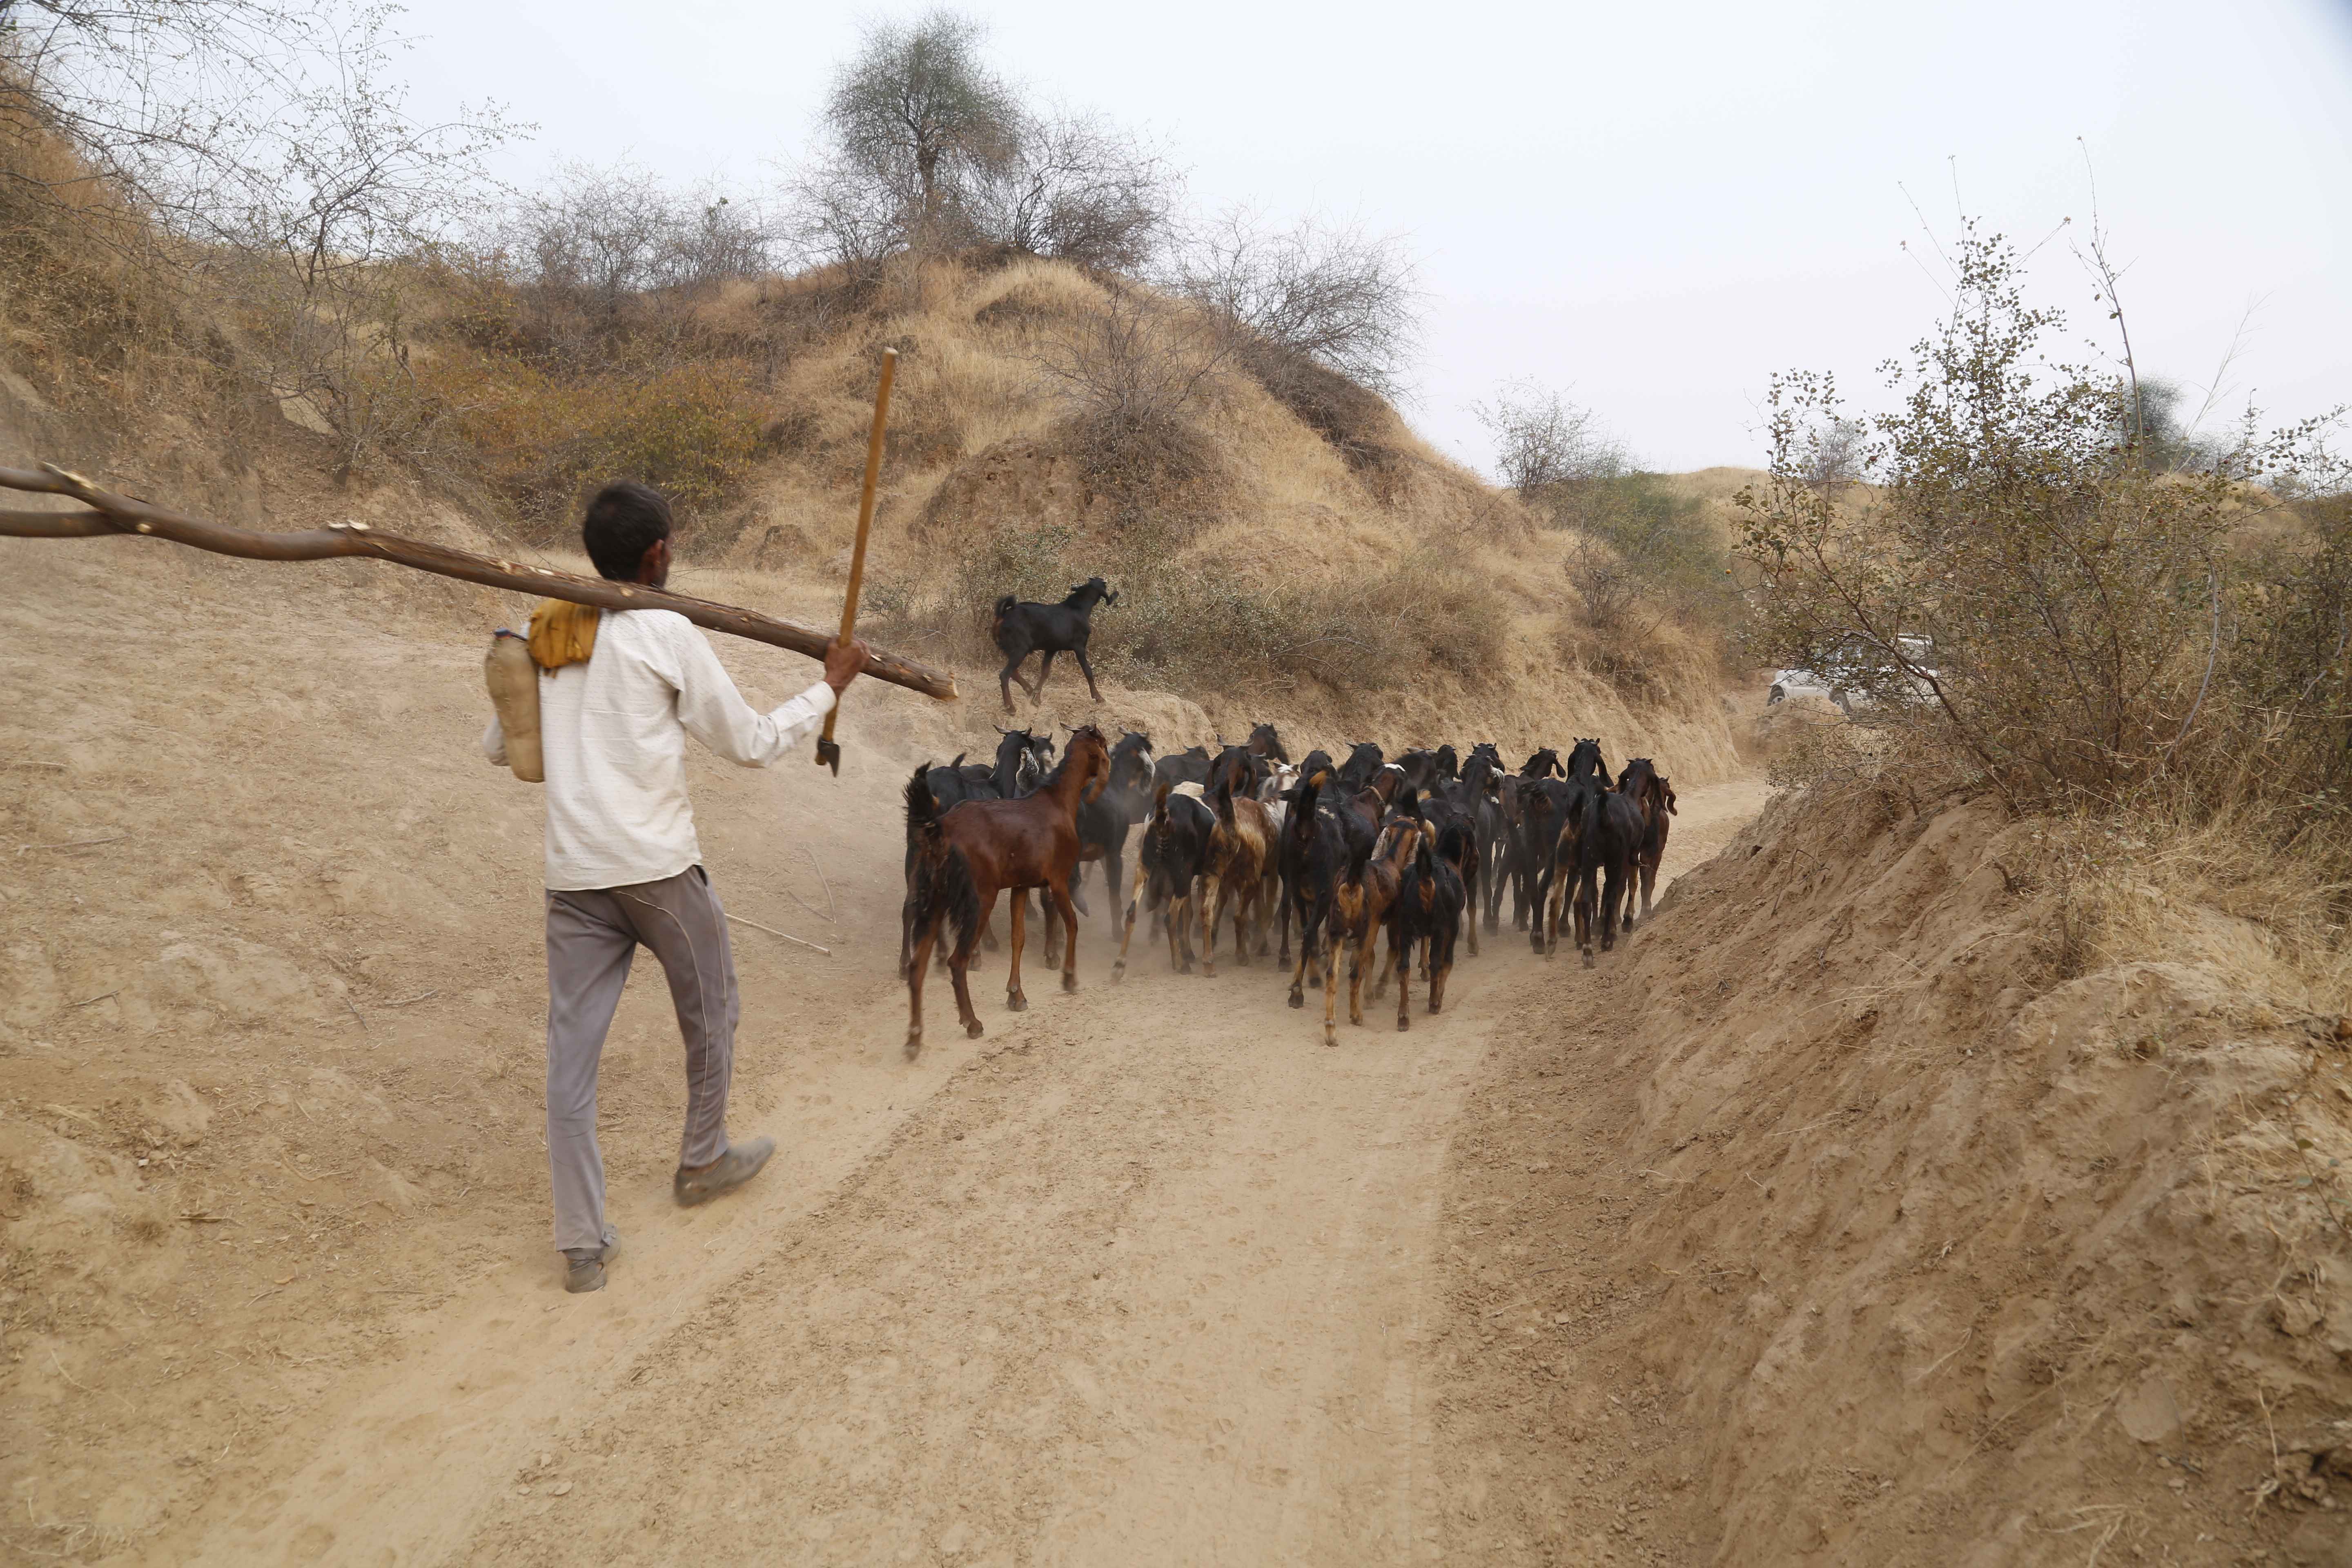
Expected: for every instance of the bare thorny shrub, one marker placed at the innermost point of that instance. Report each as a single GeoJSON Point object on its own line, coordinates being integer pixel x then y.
{"type": "Point", "coordinates": [2029, 603]}
{"type": "Point", "coordinates": [1543, 442]}
{"type": "Point", "coordinates": [1133, 372]}
{"type": "Point", "coordinates": [1646, 573]}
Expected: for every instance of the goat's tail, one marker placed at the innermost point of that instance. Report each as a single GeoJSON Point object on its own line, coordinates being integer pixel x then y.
{"type": "Point", "coordinates": [1221, 799]}
{"type": "Point", "coordinates": [922, 807]}
{"type": "Point", "coordinates": [1453, 845]}
{"type": "Point", "coordinates": [1301, 821]}
{"type": "Point", "coordinates": [996, 620]}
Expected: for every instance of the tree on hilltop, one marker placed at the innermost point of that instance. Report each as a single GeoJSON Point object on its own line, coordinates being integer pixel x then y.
{"type": "Point", "coordinates": [920, 118]}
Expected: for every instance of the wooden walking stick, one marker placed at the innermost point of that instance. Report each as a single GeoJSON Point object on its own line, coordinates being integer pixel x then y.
{"type": "Point", "coordinates": [828, 753]}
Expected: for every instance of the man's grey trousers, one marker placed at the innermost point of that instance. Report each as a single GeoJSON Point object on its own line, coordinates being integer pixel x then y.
{"type": "Point", "coordinates": [592, 937]}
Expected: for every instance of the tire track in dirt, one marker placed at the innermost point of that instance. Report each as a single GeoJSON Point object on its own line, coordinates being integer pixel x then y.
{"type": "Point", "coordinates": [1147, 1275]}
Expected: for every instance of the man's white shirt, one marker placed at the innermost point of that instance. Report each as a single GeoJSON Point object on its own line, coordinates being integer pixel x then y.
{"type": "Point", "coordinates": [614, 734]}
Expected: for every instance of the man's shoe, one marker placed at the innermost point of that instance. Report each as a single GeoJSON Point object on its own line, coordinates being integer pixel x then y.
{"type": "Point", "coordinates": [724, 1174]}
{"type": "Point", "coordinates": [587, 1264]}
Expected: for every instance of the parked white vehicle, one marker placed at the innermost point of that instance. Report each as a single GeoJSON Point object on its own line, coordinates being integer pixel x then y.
{"type": "Point", "coordinates": [1841, 685]}
{"type": "Point", "coordinates": [1790, 683]}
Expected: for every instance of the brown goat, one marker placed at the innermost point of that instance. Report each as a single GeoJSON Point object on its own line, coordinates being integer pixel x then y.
{"type": "Point", "coordinates": [968, 856]}
{"type": "Point", "coordinates": [1359, 910]}
{"type": "Point", "coordinates": [1241, 845]}
{"type": "Point", "coordinates": [1656, 794]}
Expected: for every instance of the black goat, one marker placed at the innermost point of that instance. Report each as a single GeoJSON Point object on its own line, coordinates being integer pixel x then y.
{"type": "Point", "coordinates": [1430, 897]}
{"type": "Point", "coordinates": [1103, 822]}
{"type": "Point", "coordinates": [1023, 760]}
{"type": "Point", "coordinates": [1022, 628]}
{"type": "Point", "coordinates": [1595, 858]}
{"type": "Point", "coordinates": [1190, 766]}
{"type": "Point", "coordinates": [1364, 760]}
{"type": "Point", "coordinates": [959, 781]}
{"type": "Point", "coordinates": [1546, 806]}
{"type": "Point", "coordinates": [1584, 762]}
{"type": "Point", "coordinates": [1314, 856]}
{"type": "Point", "coordinates": [1419, 769]}
{"type": "Point", "coordinates": [1479, 791]}
{"type": "Point", "coordinates": [1264, 742]}
{"type": "Point", "coordinates": [1174, 857]}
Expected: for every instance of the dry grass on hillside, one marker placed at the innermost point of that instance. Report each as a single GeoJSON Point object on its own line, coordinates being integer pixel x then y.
{"type": "Point", "coordinates": [1279, 535]}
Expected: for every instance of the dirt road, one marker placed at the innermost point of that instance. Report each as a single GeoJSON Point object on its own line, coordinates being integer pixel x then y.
{"type": "Point", "coordinates": [1142, 1276]}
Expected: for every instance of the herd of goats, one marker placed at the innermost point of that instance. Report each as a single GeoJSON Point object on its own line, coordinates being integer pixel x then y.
{"type": "Point", "coordinates": [1345, 850]}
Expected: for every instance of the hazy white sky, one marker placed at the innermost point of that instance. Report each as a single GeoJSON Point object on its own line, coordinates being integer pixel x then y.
{"type": "Point", "coordinates": [1653, 206]}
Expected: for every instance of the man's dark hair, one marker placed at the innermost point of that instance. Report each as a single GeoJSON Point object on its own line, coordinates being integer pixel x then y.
{"type": "Point", "coordinates": [624, 521]}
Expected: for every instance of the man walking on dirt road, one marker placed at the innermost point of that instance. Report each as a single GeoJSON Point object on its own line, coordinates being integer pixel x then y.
{"type": "Point", "coordinates": [619, 692]}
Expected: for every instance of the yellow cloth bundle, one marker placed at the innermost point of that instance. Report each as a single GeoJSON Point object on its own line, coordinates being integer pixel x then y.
{"type": "Point", "coordinates": [563, 632]}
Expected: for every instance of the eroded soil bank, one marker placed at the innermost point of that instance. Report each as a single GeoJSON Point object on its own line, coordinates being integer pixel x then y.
{"type": "Point", "coordinates": [1835, 1224]}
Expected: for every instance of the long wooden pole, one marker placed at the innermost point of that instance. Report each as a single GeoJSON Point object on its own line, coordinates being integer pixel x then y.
{"type": "Point", "coordinates": [113, 516]}
{"type": "Point", "coordinates": [828, 753]}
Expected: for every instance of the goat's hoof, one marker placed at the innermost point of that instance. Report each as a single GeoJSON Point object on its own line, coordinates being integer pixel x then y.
{"type": "Point", "coordinates": [1118, 971]}
{"type": "Point", "coordinates": [914, 1043]}
{"type": "Point", "coordinates": [1016, 1003]}
{"type": "Point", "coordinates": [1297, 998]}
{"type": "Point", "coordinates": [974, 1029]}
{"type": "Point", "coordinates": [1330, 1035]}
{"type": "Point", "coordinates": [1403, 1023]}
{"type": "Point", "coordinates": [1588, 960]}
{"type": "Point", "coordinates": [1069, 982]}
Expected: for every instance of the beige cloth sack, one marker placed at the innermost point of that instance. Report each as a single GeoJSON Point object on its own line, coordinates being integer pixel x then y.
{"type": "Point", "coordinates": [513, 680]}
